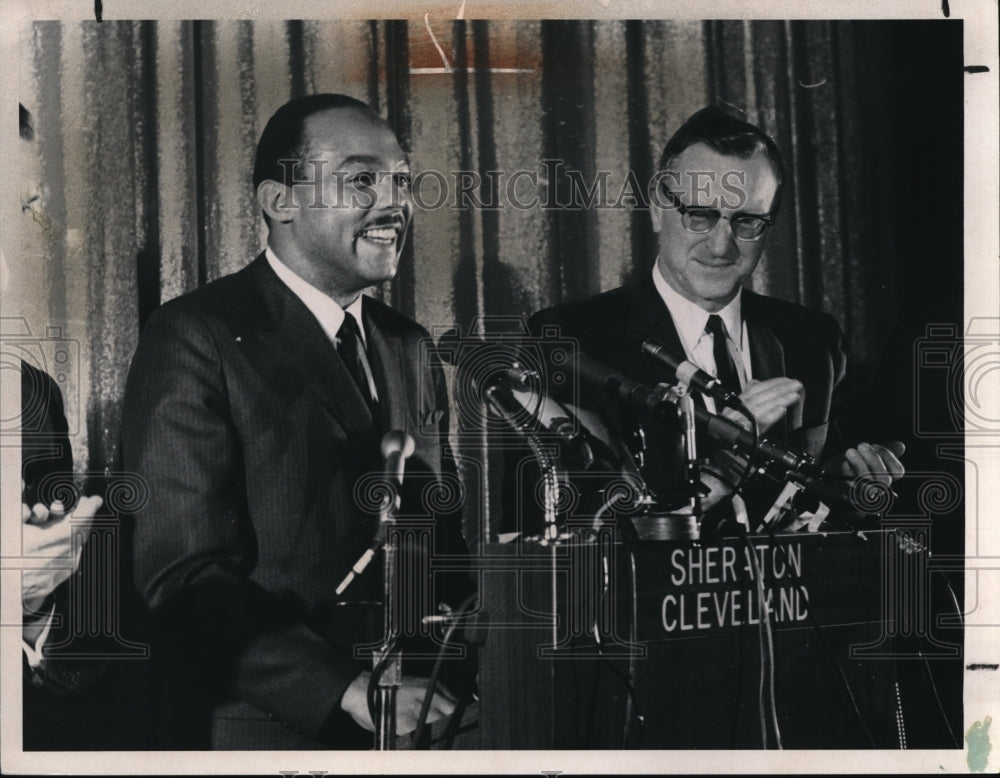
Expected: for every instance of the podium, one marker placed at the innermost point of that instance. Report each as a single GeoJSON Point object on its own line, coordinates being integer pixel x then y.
{"type": "Point", "coordinates": [659, 644]}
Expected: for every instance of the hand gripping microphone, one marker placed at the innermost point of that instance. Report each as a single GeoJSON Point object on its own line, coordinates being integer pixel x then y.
{"type": "Point", "coordinates": [683, 371]}
{"type": "Point", "coordinates": [397, 447]}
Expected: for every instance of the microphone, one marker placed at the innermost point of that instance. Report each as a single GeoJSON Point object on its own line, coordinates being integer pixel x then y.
{"type": "Point", "coordinates": [627, 390]}
{"type": "Point", "coordinates": [718, 428]}
{"type": "Point", "coordinates": [722, 430]}
{"type": "Point", "coordinates": [515, 405]}
{"type": "Point", "coordinates": [397, 447]}
{"type": "Point", "coordinates": [689, 373]}
{"type": "Point", "coordinates": [492, 369]}
{"type": "Point", "coordinates": [811, 475]}
{"type": "Point", "coordinates": [483, 363]}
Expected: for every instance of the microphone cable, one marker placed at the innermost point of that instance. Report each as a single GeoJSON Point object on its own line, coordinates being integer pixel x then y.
{"type": "Point", "coordinates": [926, 663]}
{"type": "Point", "coordinates": [376, 676]}
{"type": "Point", "coordinates": [632, 707]}
{"type": "Point", "coordinates": [767, 663]}
{"type": "Point", "coordinates": [823, 638]}
{"type": "Point", "coordinates": [633, 637]}
{"type": "Point", "coordinates": [432, 680]}
{"type": "Point", "coordinates": [937, 699]}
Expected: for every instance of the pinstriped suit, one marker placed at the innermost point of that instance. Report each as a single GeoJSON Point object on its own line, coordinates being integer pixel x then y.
{"type": "Point", "coordinates": [252, 437]}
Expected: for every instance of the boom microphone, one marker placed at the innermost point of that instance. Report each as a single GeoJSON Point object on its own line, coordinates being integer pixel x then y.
{"type": "Point", "coordinates": [689, 373]}
{"type": "Point", "coordinates": [548, 416]}
{"type": "Point", "coordinates": [500, 365]}
{"type": "Point", "coordinates": [719, 428]}
{"type": "Point", "coordinates": [492, 369]}
{"type": "Point", "coordinates": [628, 390]}
{"type": "Point", "coordinates": [802, 466]}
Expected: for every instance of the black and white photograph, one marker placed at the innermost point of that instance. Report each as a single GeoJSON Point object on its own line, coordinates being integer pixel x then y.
{"type": "Point", "coordinates": [571, 387]}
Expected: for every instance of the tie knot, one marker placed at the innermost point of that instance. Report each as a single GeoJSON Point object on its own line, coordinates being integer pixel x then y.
{"type": "Point", "coordinates": [349, 329]}
{"type": "Point", "coordinates": [715, 326]}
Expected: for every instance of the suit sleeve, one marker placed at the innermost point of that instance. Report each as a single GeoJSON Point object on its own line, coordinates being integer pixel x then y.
{"type": "Point", "coordinates": [46, 468]}
{"type": "Point", "coordinates": [194, 546]}
{"type": "Point", "coordinates": [45, 447]}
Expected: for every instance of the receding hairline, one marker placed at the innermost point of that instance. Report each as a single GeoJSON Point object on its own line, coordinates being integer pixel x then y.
{"type": "Point", "coordinates": [308, 144]}
{"type": "Point", "coordinates": [759, 149]}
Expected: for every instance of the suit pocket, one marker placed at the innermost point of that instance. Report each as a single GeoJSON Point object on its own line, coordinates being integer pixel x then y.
{"type": "Point", "coordinates": [430, 420]}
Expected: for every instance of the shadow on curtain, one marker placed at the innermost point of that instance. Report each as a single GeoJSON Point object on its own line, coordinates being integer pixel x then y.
{"type": "Point", "coordinates": [146, 132]}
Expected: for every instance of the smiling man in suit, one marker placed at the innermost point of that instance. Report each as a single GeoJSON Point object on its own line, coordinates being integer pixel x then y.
{"type": "Point", "coordinates": [254, 410]}
{"type": "Point", "coordinates": [716, 195]}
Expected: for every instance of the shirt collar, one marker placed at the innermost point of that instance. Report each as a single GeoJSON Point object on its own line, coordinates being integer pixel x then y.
{"type": "Point", "coordinates": [690, 318]}
{"type": "Point", "coordinates": [327, 311]}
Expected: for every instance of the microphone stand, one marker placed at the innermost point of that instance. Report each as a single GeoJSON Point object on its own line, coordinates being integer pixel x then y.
{"type": "Point", "coordinates": [680, 396]}
{"type": "Point", "coordinates": [692, 465]}
{"type": "Point", "coordinates": [387, 672]}
{"type": "Point", "coordinates": [499, 398]}
{"type": "Point", "coordinates": [386, 659]}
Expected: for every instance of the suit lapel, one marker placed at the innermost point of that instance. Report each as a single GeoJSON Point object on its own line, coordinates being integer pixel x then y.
{"type": "Point", "coordinates": [385, 349]}
{"type": "Point", "coordinates": [650, 318]}
{"type": "Point", "coordinates": [282, 336]}
{"type": "Point", "coordinates": [767, 359]}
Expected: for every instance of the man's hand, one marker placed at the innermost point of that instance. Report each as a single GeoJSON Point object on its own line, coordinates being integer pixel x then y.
{"type": "Point", "coordinates": [768, 401]}
{"type": "Point", "coordinates": [409, 698]}
{"type": "Point", "coordinates": [48, 541]}
{"type": "Point", "coordinates": [880, 463]}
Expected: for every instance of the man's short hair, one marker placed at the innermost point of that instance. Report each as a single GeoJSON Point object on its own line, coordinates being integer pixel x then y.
{"type": "Point", "coordinates": [284, 137]}
{"type": "Point", "coordinates": [729, 135]}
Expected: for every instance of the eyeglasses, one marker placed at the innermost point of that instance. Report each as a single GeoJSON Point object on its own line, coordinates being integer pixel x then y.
{"type": "Point", "coordinates": [745, 226]}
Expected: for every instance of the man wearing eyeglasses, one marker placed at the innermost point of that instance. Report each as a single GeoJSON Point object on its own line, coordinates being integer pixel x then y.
{"type": "Point", "coordinates": [714, 198]}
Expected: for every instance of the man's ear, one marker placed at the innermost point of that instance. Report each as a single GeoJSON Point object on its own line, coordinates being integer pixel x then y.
{"type": "Point", "coordinates": [655, 212]}
{"type": "Point", "coordinates": [276, 201]}
{"type": "Point", "coordinates": [655, 216]}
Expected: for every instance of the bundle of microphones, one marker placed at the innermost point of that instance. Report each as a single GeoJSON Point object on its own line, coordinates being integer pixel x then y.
{"type": "Point", "coordinates": [517, 392]}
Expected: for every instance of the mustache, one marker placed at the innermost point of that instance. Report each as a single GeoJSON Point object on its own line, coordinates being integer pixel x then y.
{"type": "Point", "coordinates": [394, 219]}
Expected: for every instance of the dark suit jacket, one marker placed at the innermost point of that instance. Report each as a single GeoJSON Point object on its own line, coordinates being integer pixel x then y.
{"type": "Point", "coordinates": [255, 442]}
{"type": "Point", "coordinates": [76, 699]}
{"type": "Point", "coordinates": [785, 340]}
{"type": "Point", "coordinates": [45, 448]}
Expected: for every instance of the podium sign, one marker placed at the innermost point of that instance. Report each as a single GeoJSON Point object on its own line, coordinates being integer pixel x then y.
{"type": "Point", "coordinates": [693, 590]}
{"type": "Point", "coordinates": [660, 644]}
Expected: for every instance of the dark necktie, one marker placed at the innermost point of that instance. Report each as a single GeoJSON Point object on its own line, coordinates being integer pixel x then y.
{"type": "Point", "coordinates": [352, 350]}
{"type": "Point", "coordinates": [725, 368]}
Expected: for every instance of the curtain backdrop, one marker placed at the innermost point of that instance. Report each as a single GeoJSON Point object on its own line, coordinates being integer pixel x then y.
{"type": "Point", "coordinates": [145, 131]}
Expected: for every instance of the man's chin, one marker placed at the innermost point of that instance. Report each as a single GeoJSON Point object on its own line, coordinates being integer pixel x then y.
{"type": "Point", "coordinates": [380, 271]}
{"type": "Point", "coordinates": [717, 297]}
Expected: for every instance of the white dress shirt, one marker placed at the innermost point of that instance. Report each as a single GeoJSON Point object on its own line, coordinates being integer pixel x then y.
{"type": "Point", "coordinates": [690, 320]}
{"type": "Point", "coordinates": [327, 311]}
